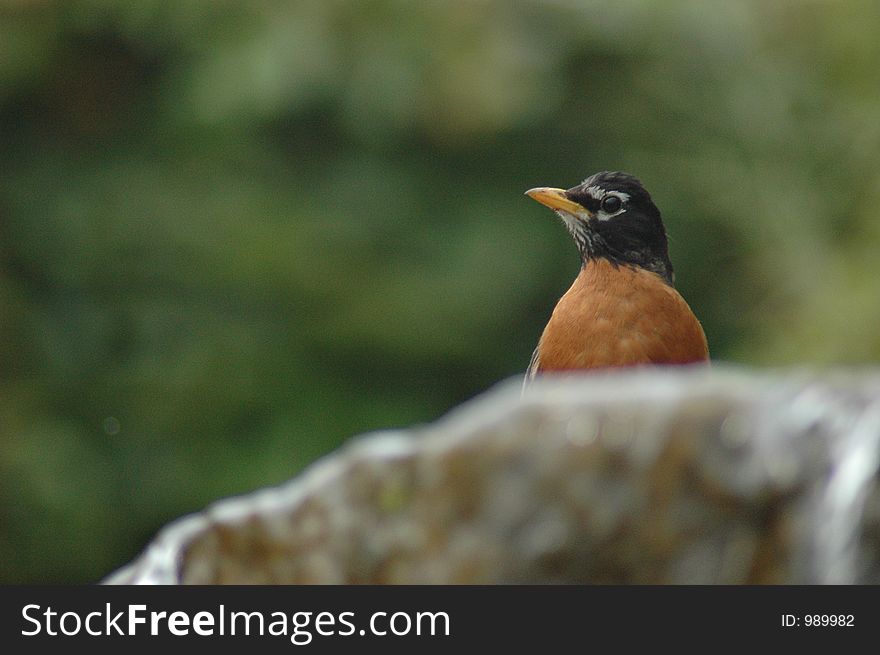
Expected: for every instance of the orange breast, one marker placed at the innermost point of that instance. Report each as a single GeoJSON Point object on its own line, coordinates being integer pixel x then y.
{"type": "Point", "coordinates": [620, 316]}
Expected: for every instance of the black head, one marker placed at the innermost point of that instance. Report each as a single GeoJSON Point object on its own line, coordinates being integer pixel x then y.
{"type": "Point", "coordinates": [612, 216]}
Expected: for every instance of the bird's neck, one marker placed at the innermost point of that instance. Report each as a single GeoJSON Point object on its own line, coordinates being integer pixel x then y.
{"type": "Point", "coordinates": [592, 246]}
{"type": "Point", "coordinates": [651, 262]}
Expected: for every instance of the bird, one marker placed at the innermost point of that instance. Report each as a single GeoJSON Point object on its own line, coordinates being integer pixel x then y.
{"type": "Point", "coordinates": [623, 309]}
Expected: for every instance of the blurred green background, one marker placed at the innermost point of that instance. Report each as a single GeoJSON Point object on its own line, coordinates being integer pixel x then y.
{"type": "Point", "coordinates": [234, 234]}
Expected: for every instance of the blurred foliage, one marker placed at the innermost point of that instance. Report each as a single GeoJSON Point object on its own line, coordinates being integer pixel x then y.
{"type": "Point", "coordinates": [233, 234]}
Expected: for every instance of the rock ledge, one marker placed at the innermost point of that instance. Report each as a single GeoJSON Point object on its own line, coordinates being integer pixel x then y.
{"type": "Point", "coordinates": [658, 476]}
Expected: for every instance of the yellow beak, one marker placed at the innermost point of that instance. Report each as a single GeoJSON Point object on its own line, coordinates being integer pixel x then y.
{"type": "Point", "coordinates": [557, 200]}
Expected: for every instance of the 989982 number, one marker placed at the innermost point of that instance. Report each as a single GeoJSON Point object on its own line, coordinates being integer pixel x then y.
{"type": "Point", "coordinates": [829, 620]}
{"type": "Point", "coordinates": [819, 620]}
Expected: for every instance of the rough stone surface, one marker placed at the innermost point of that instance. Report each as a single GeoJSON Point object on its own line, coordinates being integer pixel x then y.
{"type": "Point", "coordinates": [663, 476]}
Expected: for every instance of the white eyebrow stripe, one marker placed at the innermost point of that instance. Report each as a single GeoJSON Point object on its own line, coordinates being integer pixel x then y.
{"type": "Point", "coordinates": [598, 193]}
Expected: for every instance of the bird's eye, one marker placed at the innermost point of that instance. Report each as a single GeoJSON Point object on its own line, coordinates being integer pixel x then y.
{"type": "Point", "coordinates": [611, 204]}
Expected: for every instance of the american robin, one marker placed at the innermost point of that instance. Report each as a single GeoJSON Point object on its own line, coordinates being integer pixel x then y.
{"type": "Point", "coordinates": [622, 309]}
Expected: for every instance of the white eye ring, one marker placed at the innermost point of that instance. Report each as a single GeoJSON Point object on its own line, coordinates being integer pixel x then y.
{"type": "Point", "coordinates": [611, 204]}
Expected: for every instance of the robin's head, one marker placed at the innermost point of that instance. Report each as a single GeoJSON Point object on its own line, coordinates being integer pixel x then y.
{"type": "Point", "coordinates": [612, 216]}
